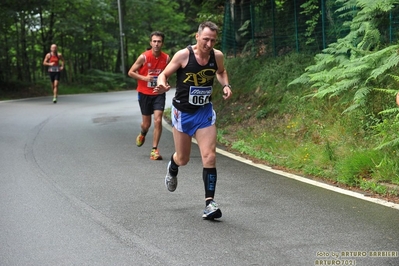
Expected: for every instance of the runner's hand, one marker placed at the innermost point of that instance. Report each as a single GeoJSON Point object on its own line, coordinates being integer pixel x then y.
{"type": "Point", "coordinates": [148, 78]}
{"type": "Point", "coordinates": [159, 89]}
{"type": "Point", "coordinates": [226, 92]}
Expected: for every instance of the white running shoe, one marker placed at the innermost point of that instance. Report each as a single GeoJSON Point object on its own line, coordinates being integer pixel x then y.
{"type": "Point", "coordinates": [170, 180]}
{"type": "Point", "coordinates": [212, 211]}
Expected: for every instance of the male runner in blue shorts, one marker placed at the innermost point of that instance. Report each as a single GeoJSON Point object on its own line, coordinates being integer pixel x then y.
{"type": "Point", "coordinates": [192, 110]}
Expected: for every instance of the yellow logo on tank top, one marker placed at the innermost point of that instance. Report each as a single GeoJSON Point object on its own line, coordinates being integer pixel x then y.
{"type": "Point", "coordinates": [201, 77]}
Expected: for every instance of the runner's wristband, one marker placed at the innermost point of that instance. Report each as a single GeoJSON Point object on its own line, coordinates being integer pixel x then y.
{"type": "Point", "coordinates": [227, 85]}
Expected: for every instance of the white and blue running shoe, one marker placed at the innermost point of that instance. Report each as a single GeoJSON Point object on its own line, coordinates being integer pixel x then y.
{"type": "Point", "coordinates": [212, 211]}
{"type": "Point", "coordinates": [170, 180]}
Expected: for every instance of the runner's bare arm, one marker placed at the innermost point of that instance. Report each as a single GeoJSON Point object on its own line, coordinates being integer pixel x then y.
{"type": "Point", "coordinates": [46, 61]}
{"type": "Point", "coordinates": [133, 72]}
{"type": "Point", "coordinates": [221, 74]}
{"type": "Point", "coordinates": [61, 57]}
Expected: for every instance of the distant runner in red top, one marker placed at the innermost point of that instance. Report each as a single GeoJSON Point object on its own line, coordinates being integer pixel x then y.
{"type": "Point", "coordinates": [146, 70]}
{"type": "Point", "coordinates": [52, 60]}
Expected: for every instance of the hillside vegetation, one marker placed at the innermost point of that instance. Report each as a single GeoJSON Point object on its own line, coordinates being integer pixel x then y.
{"type": "Point", "coordinates": [331, 115]}
{"type": "Point", "coordinates": [282, 126]}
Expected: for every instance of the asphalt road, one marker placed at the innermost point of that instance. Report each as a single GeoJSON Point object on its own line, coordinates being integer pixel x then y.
{"type": "Point", "coordinates": [76, 190]}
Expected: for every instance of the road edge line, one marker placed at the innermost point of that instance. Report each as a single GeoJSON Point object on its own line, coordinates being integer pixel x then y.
{"type": "Point", "coordinates": [298, 178]}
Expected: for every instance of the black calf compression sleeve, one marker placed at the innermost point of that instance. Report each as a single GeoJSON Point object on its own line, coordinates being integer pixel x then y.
{"type": "Point", "coordinates": [173, 165]}
{"type": "Point", "coordinates": [210, 177]}
{"type": "Point", "coordinates": [174, 168]}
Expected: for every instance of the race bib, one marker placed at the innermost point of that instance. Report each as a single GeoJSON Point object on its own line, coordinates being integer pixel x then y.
{"type": "Point", "coordinates": [199, 95]}
{"type": "Point", "coordinates": [54, 69]}
{"type": "Point", "coordinates": [153, 83]}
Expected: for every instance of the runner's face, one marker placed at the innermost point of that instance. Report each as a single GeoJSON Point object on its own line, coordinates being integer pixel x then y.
{"type": "Point", "coordinates": [206, 40]}
{"type": "Point", "coordinates": [53, 48]}
{"type": "Point", "coordinates": [156, 43]}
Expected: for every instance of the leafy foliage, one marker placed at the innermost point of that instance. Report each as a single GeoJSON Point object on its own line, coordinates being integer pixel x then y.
{"type": "Point", "coordinates": [88, 35]}
{"type": "Point", "coordinates": [354, 65]}
{"type": "Point", "coordinates": [387, 132]}
{"type": "Point", "coordinates": [303, 127]}
{"type": "Point", "coordinates": [311, 8]}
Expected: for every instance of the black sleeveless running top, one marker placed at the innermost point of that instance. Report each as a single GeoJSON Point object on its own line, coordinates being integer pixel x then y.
{"type": "Point", "coordinates": [194, 83]}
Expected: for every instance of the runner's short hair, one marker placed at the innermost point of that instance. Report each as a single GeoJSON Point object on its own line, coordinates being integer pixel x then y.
{"type": "Point", "coordinates": [208, 24]}
{"type": "Point", "coordinates": [157, 33]}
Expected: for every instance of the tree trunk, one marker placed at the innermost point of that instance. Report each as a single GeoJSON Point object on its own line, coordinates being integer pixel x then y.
{"type": "Point", "coordinates": [18, 50]}
{"type": "Point", "coordinates": [118, 62]}
{"type": "Point", "coordinates": [25, 74]}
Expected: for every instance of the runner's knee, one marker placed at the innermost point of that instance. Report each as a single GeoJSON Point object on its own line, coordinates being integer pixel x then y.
{"type": "Point", "coordinates": [208, 158]}
{"type": "Point", "coordinates": [146, 124]}
{"type": "Point", "coordinates": [181, 160]}
{"type": "Point", "coordinates": [157, 120]}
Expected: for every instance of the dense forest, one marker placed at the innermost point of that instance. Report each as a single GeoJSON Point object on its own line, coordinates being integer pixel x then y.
{"type": "Point", "coordinates": [88, 32]}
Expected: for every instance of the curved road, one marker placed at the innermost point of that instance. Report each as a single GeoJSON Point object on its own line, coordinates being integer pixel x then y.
{"type": "Point", "coordinates": [76, 190]}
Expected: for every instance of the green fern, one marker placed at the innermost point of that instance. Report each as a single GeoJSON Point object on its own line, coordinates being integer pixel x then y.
{"type": "Point", "coordinates": [396, 78]}
{"type": "Point", "coordinates": [348, 8]}
{"type": "Point", "coordinates": [389, 130]}
{"type": "Point", "coordinates": [390, 57]}
{"type": "Point", "coordinates": [355, 64]}
{"type": "Point", "coordinates": [391, 143]}
{"type": "Point", "coordinates": [391, 111]}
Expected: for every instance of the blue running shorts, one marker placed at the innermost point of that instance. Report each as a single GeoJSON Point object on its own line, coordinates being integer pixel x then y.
{"type": "Point", "coordinates": [189, 123]}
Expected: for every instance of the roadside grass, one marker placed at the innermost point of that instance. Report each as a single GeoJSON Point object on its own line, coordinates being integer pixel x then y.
{"type": "Point", "coordinates": [281, 127]}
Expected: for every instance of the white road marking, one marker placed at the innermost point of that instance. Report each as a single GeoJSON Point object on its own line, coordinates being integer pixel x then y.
{"type": "Point", "coordinates": [300, 178]}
